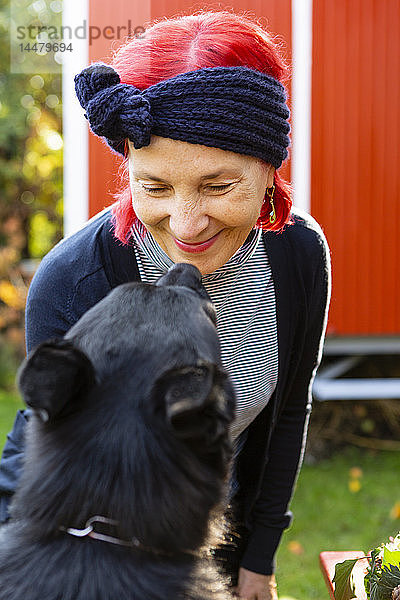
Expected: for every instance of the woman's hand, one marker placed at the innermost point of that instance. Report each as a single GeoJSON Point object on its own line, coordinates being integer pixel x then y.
{"type": "Point", "coordinates": [254, 586]}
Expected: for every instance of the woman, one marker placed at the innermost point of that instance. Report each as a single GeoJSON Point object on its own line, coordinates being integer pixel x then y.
{"type": "Point", "coordinates": [198, 110]}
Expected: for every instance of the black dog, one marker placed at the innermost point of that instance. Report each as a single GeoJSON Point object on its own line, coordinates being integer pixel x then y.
{"type": "Point", "coordinates": [128, 447]}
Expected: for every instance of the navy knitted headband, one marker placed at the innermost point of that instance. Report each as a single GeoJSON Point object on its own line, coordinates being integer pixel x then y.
{"type": "Point", "coordinates": [232, 108]}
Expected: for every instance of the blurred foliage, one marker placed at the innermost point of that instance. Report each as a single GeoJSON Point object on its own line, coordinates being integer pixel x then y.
{"type": "Point", "coordinates": [31, 160]}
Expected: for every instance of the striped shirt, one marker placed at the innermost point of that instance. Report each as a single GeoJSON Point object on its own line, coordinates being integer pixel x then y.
{"type": "Point", "coordinates": [243, 294]}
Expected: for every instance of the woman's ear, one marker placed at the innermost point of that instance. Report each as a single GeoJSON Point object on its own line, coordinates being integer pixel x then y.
{"type": "Point", "coordinates": [54, 374]}
{"type": "Point", "coordinates": [270, 175]}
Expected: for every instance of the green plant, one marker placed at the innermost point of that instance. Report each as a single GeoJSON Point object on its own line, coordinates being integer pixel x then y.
{"type": "Point", "coordinates": [382, 577]}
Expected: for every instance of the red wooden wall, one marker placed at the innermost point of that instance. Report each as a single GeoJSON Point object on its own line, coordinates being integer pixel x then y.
{"type": "Point", "coordinates": [355, 170]}
{"type": "Point", "coordinates": [355, 163]}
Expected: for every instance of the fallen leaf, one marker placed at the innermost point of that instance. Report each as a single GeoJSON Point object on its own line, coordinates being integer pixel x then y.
{"type": "Point", "coordinates": [354, 486]}
{"type": "Point", "coordinates": [295, 547]}
{"type": "Point", "coordinates": [395, 511]}
{"type": "Point", "coordinates": [355, 473]}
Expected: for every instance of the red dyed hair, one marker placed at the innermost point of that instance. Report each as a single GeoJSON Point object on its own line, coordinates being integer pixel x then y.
{"type": "Point", "coordinates": [176, 45]}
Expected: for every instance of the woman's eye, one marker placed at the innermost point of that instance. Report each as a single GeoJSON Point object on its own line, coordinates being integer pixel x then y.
{"type": "Point", "coordinates": [213, 188]}
{"type": "Point", "coordinates": [153, 189]}
{"type": "Point", "coordinates": [218, 188]}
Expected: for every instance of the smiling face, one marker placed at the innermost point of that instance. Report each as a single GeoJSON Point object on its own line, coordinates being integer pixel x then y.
{"type": "Point", "coordinates": [199, 203]}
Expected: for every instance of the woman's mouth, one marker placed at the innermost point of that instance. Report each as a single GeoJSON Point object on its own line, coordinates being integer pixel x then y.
{"type": "Point", "coordinates": [200, 247]}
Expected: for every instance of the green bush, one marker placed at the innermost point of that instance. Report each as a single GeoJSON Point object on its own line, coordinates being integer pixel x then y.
{"type": "Point", "coordinates": [31, 186]}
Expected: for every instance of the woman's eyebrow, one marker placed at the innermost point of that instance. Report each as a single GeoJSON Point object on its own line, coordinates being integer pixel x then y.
{"type": "Point", "coordinates": [228, 171]}
{"type": "Point", "coordinates": [147, 176]}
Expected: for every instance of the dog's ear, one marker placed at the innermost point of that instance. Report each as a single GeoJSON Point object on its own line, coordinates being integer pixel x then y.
{"type": "Point", "coordinates": [53, 375]}
{"type": "Point", "coordinates": [195, 402]}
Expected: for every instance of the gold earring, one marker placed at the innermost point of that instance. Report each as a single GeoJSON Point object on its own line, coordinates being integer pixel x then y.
{"type": "Point", "coordinates": [270, 194]}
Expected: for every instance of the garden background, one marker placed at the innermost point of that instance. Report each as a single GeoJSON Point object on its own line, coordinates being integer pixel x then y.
{"type": "Point", "coordinates": [347, 495]}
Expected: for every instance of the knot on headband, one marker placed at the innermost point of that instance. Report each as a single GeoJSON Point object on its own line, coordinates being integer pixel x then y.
{"type": "Point", "coordinates": [232, 108]}
{"type": "Point", "coordinates": [114, 110]}
{"type": "Point", "coordinates": [94, 79]}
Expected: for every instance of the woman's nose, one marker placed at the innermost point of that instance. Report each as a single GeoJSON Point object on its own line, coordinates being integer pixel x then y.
{"type": "Point", "coordinates": [188, 222]}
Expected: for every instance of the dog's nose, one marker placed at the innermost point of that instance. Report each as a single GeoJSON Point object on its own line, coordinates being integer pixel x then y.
{"type": "Point", "coordinates": [185, 275]}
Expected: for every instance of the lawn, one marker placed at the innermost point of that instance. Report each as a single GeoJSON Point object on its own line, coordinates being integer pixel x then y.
{"type": "Point", "coordinates": [10, 402]}
{"type": "Point", "coordinates": [344, 503]}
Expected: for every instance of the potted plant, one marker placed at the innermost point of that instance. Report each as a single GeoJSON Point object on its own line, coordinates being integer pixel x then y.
{"type": "Point", "coordinates": [382, 580]}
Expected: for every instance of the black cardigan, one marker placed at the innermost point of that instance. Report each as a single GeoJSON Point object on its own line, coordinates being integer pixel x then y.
{"type": "Point", "coordinates": [83, 268]}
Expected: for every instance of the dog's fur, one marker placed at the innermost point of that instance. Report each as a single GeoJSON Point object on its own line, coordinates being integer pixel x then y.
{"type": "Point", "coordinates": [131, 416]}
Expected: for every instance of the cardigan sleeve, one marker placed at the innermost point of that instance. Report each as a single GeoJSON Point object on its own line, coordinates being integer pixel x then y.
{"type": "Point", "coordinates": [70, 279]}
{"type": "Point", "coordinates": [270, 514]}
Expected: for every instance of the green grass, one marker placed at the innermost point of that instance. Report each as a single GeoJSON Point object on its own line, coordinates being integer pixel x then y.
{"type": "Point", "coordinates": [10, 402]}
{"type": "Point", "coordinates": [327, 515]}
